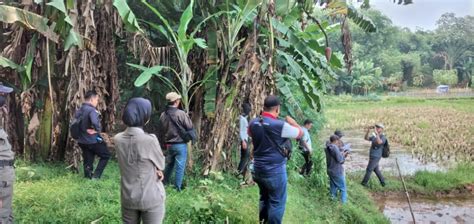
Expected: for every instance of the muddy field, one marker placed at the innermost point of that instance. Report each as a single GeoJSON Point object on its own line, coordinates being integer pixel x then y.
{"type": "Point", "coordinates": [394, 206]}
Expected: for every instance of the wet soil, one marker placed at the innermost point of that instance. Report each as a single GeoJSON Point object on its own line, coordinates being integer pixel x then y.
{"type": "Point", "coordinates": [428, 210]}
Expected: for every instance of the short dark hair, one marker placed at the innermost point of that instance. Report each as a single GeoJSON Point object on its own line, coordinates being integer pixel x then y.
{"type": "Point", "coordinates": [307, 121]}
{"type": "Point", "coordinates": [270, 103]}
{"type": "Point", "coordinates": [333, 138]}
{"type": "Point", "coordinates": [246, 108]}
{"type": "Point", "coordinates": [90, 94]}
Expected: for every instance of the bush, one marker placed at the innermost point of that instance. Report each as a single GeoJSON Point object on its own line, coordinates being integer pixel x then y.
{"type": "Point", "coordinates": [445, 77]}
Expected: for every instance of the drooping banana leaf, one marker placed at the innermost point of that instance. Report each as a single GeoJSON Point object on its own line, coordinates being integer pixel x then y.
{"type": "Point", "coordinates": [7, 63]}
{"type": "Point", "coordinates": [29, 20]}
{"type": "Point", "coordinates": [364, 22]}
{"type": "Point", "coordinates": [129, 19]}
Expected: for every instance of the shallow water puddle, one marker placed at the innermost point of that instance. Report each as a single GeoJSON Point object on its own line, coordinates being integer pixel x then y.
{"type": "Point", "coordinates": [448, 210]}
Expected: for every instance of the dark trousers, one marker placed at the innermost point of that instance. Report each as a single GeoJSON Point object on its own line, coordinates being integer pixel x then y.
{"type": "Point", "coordinates": [272, 197]}
{"type": "Point", "coordinates": [373, 166]}
{"type": "Point", "coordinates": [244, 160]}
{"type": "Point", "coordinates": [308, 164]}
{"type": "Point", "coordinates": [88, 154]}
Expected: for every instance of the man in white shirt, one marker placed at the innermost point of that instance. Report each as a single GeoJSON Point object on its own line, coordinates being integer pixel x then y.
{"type": "Point", "coordinates": [244, 139]}
{"type": "Point", "coordinates": [306, 148]}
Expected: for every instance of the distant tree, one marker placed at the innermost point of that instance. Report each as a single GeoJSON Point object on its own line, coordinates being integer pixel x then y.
{"type": "Point", "coordinates": [454, 36]}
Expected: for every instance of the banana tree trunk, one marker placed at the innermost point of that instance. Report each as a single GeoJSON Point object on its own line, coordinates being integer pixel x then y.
{"type": "Point", "coordinates": [249, 85]}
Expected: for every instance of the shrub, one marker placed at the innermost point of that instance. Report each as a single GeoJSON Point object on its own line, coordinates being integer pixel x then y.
{"type": "Point", "coordinates": [445, 77]}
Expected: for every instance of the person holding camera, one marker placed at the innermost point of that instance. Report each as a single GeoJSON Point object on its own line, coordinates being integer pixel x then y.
{"type": "Point", "coordinates": [334, 160]}
{"type": "Point", "coordinates": [378, 140]}
{"type": "Point", "coordinates": [89, 139]}
{"type": "Point", "coordinates": [272, 148]}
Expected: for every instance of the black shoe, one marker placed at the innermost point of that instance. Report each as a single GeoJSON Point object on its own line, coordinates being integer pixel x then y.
{"type": "Point", "coordinates": [365, 184]}
{"type": "Point", "coordinates": [383, 184]}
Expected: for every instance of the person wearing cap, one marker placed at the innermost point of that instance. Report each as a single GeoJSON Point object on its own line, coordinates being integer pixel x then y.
{"type": "Point", "coordinates": [90, 140]}
{"type": "Point", "coordinates": [377, 140]}
{"type": "Point", "coordinates": [244, 139]}
{"type": "Point", "coordinates": [176, 147]}
{"type": "Point", "coordinates": [141, 164]}
{"type": "Point", "coordinates": [334, 160]}
{"type": "Point", "coordinates": [306, 147]}
{"type": "Point", "coordinates": [339, 134]}
{"type": "Point", "coordinates": [269, 135]}
{"type": "Point", "coordinates": [7, 170]}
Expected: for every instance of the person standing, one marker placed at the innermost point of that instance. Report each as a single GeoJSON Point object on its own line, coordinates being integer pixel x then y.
{"type": "Point", "coordinates": [141, 164]}
{"type": "Point", "coordinates": [334, 160]}
{"type": "Point", "coordinates": [90, 140]}
{"type": "Point", "coordinates": [339, 134]}
{"type": "Point", "coordinates": [7, 159]}
{"type": "Point", "coordinates": [271, 141]}
{"type": "Point", "coordinates": [306, 148]}
{"type": "Point", "coordinates": [177, 150]}
{"type": "Point", "coordinates": [244, 139]}
{"type": "Point", "coordinates": [378, 141]}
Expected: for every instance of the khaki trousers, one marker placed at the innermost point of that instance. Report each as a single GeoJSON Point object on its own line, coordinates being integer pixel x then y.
{"type": "Point", "coordinates": [151, 216]}
{"type": "Point", "coordinates": [7, 178]}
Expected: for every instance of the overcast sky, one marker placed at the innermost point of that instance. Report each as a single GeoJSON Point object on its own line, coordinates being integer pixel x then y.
{"type": "Point", "coordinates": [422, 13]}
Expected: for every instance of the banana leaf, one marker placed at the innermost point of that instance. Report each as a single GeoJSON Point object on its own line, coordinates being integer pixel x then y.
{"type": "Point", "coordinates": [29, 20]}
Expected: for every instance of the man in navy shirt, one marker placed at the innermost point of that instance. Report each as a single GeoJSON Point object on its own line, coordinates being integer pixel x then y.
{"type": "Point", "coordinates": [90, 140]}
{"type": "Point", "coordinates": [268, 135]}
{"type": "Point", "coordinates": [378, 140]}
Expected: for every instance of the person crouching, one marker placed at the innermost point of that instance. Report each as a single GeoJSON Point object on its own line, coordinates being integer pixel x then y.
{"type": "Point", "coordinates": [141, 164]}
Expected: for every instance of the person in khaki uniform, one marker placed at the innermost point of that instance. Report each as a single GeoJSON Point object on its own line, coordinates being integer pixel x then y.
{"type": "Point", "coordinates": [141, 164]}
{"type": "Point", "coordinates": [7, 171]}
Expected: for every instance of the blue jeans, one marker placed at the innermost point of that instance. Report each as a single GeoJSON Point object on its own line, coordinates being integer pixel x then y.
{"type": "Point", "coordinates": [177, 155]}
{"type": "Point", "coordinates": [272, 197]}
{"type": "Point", "coordinates": [336, 183]}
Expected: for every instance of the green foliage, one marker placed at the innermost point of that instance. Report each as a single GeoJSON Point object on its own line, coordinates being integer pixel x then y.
{"type": "Point", "coordinates": [366, 77]}
{"type": "Point", "coordinates": [300, 54]}
{"type": "Point", "coordinates": [361, 20]}
{"type": "Point", "coordinates": [445, 77]}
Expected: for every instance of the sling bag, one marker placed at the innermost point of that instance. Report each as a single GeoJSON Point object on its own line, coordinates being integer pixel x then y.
{"type": "Point", "coordinates": [186, 135]}
{"type": "Point", "coordinates": [284, 149]}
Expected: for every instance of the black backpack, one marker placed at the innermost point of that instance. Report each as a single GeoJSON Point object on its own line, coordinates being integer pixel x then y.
{"type": "Point", "coordinates": [75, 127]}
{"type": "Point", "coordinates": [386, 150]}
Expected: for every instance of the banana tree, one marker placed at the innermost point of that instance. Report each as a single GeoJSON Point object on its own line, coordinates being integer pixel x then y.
{"type": "Point", "coordinates": [183, 43]}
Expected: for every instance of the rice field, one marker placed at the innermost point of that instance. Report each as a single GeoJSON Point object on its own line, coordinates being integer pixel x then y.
{"type": "Point", "coordinates": [434, 130]}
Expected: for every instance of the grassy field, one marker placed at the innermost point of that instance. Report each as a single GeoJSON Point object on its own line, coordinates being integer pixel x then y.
{"type": "Point", "coordinates": [434, 130]}
{"type": "Point", "coordinates": [52, 194]}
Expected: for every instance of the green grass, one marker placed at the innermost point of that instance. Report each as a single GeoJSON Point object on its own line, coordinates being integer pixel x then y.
{"type": "Point", "coordinates": [46, 193]}
{"type": "Point", "coordinates": [424, 182]}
